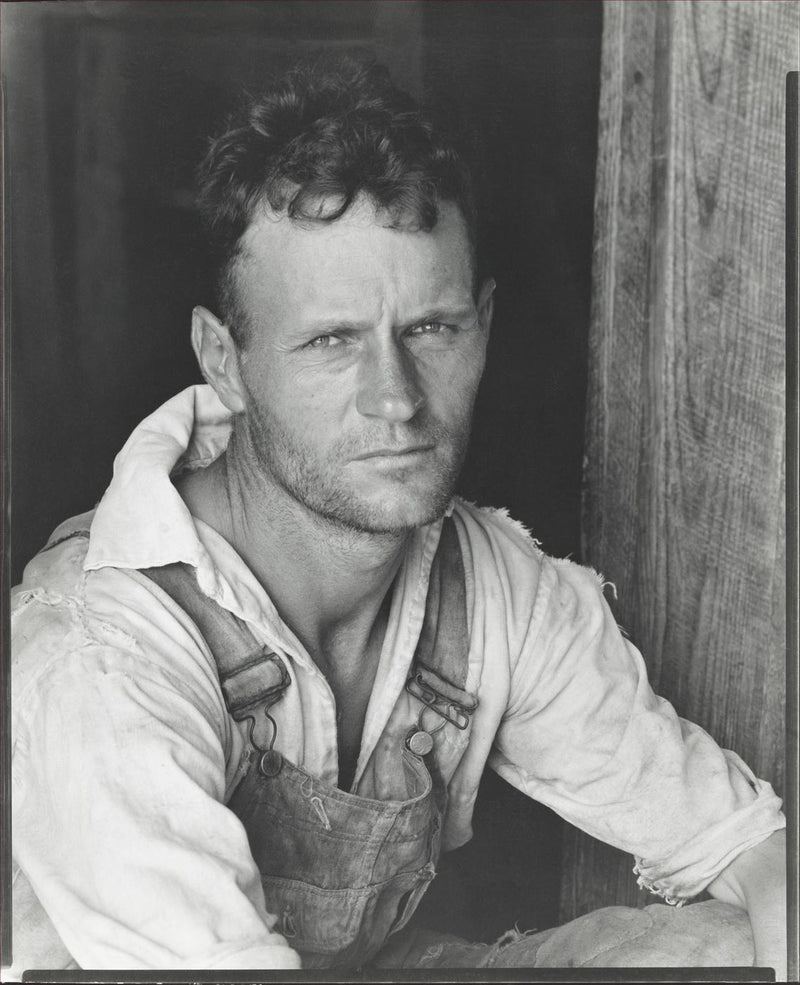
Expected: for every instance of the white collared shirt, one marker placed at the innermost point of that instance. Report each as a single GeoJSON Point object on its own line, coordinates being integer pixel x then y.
{"type": "Point", "coordinates": [125, 855]}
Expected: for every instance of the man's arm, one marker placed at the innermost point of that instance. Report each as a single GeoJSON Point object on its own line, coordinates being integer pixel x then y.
{"type": "Point", "coordinates": [584, 733]}
{"type": "Point", "coordinates": [119, 777]}
{"type": "Point", "coordinates": [756, 880]}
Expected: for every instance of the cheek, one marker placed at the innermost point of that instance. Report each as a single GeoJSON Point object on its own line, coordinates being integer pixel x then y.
{"type": "Point", "coordinates": [298, 401]}
{"type": "Point", "coordinates": [320, 412]}
{"type": "Point", "coordinates": [316, 420]}
{"type": "Point", "coordinates": [453, 385]}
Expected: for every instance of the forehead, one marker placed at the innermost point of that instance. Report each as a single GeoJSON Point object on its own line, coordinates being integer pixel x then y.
{"type": "Point", "coordinates": [354, 266]}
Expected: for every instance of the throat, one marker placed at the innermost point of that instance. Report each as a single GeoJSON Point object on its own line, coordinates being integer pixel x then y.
{"type": "Point", "coordinates": [351, 693]}
{"type": "Point", "coordinates": [350, 670]}
{"type": "Point", "coordinates": [349, 732]}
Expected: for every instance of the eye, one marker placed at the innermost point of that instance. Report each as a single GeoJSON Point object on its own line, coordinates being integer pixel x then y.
{"type": "Point", "coordinates": [430, 328]}
{"type": "Point", "coordinates": [324, 342]}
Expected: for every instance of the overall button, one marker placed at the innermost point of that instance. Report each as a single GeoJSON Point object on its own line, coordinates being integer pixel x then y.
{"type": "Point", "coordinates": [419, 742]}
{"type": "Point", "coordinates": [270, 764]}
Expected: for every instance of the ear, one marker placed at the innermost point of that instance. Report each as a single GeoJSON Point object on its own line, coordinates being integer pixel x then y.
{"type": "Point", "coordinates": [486, 304]}
{"type": "Point", "coordinates": [217, 357]}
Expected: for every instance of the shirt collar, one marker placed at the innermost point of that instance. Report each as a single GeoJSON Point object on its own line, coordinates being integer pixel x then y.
{"type": "Point", "coordinates": [141, 521]}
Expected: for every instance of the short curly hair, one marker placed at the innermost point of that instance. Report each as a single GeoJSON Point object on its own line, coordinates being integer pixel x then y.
{"type": "Point", "coordinates": [329, 131]}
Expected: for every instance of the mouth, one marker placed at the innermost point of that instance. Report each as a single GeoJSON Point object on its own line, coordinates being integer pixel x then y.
{"type": "Point", "coordinates": [410, 452]}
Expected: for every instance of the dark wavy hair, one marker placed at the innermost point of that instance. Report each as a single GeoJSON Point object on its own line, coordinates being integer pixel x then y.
{"type": "Point", "coordinates": [327, 132]}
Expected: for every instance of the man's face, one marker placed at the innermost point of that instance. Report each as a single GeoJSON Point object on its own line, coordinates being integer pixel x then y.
{"type": "Point", "coordinates": [364, 351]}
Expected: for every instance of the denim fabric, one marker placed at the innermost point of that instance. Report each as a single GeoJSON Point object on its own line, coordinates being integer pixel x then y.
{"type": "Point", "coordinates": [341, 872]}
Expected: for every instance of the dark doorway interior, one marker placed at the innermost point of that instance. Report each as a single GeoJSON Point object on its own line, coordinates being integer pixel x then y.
{"type": "Point", "coordinates": [107, 111]}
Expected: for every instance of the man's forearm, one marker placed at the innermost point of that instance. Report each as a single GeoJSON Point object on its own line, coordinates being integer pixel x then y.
{"type": "Point", "coordinates": [756, 880]}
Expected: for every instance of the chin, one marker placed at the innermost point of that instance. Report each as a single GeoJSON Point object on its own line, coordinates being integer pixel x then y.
{"type": "Point", "coordinates": [407, 507]}
{"type": "Point", "coordinates": [391, 513]}
{"type": "Point", "coordinates": [400, 521]}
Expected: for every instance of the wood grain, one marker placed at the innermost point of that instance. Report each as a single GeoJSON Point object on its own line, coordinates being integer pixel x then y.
{"type": "Point", "coordinates": [684, 470]}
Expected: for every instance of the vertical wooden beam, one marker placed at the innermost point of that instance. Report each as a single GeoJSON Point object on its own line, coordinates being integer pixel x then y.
{"type": "Point", "coordinates": [684, 473]}
{"type": "Point", "coordinates": [792, 515]}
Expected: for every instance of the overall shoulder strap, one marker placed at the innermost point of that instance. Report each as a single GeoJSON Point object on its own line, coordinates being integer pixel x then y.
{"type": "Point", "coordinates": [439, 673]}
{"type": "Point", "coordinates": [251, 675]}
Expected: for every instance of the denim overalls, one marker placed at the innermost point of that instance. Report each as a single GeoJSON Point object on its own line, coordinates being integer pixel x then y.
{"type": "Point", "coordinates": [342, 871]}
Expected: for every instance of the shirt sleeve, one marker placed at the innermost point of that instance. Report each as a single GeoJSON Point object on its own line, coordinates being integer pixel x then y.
{"type": "Point", "coordinates": [585, 734]}
{"type": "Point", "coordinates": [119, 776]}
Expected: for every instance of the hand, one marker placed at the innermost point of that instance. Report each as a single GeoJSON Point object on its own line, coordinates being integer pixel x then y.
{"type": "Point", "coordinates": [756, 881]}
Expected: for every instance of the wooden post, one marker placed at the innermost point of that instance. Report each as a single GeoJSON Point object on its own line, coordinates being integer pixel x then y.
{"type": "Point", "coordinates": [684, 469]}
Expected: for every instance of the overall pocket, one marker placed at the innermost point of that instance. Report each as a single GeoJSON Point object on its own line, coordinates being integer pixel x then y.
{"type": "Point", "coordinates": [320, 921]}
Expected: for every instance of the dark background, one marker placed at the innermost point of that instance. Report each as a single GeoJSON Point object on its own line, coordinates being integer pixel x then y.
{"type": "Point", "coordinates": [107, 110]}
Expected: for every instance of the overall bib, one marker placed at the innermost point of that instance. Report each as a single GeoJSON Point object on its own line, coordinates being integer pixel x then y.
{"type": "Point", "coordinates": [341, 872]}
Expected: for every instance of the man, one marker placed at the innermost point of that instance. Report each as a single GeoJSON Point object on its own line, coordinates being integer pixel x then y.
{"type": "Point", "coordinates": [255, 689]}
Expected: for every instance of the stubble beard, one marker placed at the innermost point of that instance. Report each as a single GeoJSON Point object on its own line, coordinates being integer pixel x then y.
{"type": "Point", "coordinates": [321, 488]}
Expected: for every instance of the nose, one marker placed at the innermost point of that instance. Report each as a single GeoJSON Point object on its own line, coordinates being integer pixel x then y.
{"type": "Point", "coordinates": [388, 385]}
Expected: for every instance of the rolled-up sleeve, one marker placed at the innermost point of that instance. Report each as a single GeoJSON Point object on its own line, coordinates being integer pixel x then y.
{"type": "Point", "coordinates": [119, 777]}
{"type": "Point", "coordinates": [585, 734]}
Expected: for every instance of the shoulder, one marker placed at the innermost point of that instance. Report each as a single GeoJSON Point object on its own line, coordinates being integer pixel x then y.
{"type": "Point", "coordinates": [72, 628]}
{"type": "Point", "coordinates": [503, 567]}
{"type": "Point", "coordinates": [46, 606]}
{"type": "Point", "coordinates": [489, 529]}
{"type": "Point", "coordinates": [58, 566]}
{"type": "Point", "coordinates": [506, 563]}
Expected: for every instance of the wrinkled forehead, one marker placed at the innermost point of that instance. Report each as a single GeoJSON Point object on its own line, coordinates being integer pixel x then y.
{"type": "Point", "coordinates": [365, 257]}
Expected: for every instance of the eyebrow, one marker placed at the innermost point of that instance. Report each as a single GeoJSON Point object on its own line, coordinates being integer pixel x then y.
{"type": "Point", "coordinates": [455, 314]}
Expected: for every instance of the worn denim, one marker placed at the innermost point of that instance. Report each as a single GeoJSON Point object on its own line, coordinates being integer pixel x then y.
{"type": "Point", "coordinates": [341, 872]}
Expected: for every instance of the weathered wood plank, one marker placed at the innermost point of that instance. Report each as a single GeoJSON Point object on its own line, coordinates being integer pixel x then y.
{"type": "Point", "coordinates": [684, 475]}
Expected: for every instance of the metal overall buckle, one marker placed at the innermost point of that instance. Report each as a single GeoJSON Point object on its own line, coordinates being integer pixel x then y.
{"type": "Point", "coordinates": [419, 739]}
{"type": "Point", "coordinates": [270, 761]}
{"type": "Point", "coordinates": [450, 710]}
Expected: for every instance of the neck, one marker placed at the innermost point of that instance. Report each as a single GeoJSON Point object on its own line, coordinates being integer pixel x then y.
{"type": "Point", "coordinates": [329, 583]}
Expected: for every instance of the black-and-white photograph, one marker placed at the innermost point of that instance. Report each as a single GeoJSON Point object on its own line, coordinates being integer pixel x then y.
{"type": "Point", "coordinates": [398, 576]}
